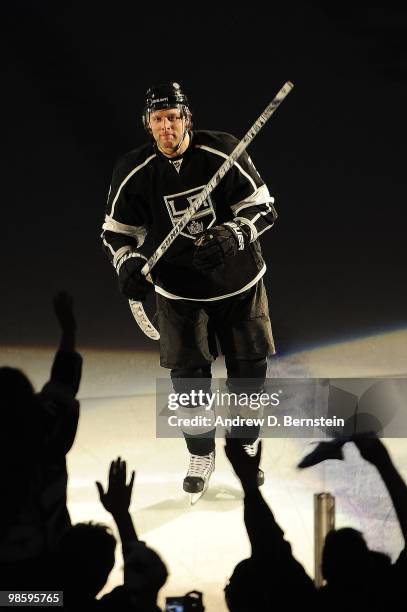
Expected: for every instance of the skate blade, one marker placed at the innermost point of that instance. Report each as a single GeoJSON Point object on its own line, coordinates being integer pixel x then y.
{"type": "Point", "coordinates": [195, 497]}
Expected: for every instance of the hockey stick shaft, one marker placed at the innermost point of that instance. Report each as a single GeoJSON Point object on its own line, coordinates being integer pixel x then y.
{"type": "Point", "coordinates": [217, 177]}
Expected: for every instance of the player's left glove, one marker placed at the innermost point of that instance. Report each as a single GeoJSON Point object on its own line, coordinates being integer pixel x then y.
{"type": "Point", "coordinates": [219, 243]}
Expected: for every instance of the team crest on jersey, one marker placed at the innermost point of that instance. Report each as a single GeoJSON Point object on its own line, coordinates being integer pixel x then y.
{"type": "Point", "coordinates": [177, 205]}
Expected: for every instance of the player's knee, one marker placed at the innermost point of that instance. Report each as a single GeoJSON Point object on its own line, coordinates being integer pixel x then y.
{"type": "Point", "coordinates": [254, 370]}
{"type": "Point", "coordinates": [186, 379]}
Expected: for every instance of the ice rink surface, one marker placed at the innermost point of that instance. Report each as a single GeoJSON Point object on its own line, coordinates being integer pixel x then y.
{"type": "Point", "coordinates": [202, 544]}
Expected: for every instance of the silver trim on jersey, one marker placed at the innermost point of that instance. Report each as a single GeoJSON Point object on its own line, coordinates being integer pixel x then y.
{"type": "Point", "coordinates": [270, 208]}
{"type": "Point", "coordinates": [138, 232]}
{"type": "Point", "coordinates": [260, 196]}
{"type": "Point", "coordinates": [136, 169]}
{"type": "Point", "coordinates": [124, 256]}
{"type": "Point", "coordinates": [108, 246]}
{"type": "Point", "coordinates": [225, 156]}
{"type": "Point", "coordinates": [264, 230]}
{"type": "Point", "coordinates": [171, 296]}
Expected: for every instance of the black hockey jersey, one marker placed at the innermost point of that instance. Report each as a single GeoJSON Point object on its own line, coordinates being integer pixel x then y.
{"type": "Point", "coordinates": [149, 194]}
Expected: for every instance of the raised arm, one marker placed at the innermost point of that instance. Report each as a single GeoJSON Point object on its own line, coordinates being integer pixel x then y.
{"type": "Point", "coordinates": [116, 500]}
{"type": "Point", "coordinates": [67, 366]}
{"type": "Point", "coordinates": [61, 409]}
{"type": "Point", "coordinates": [374, 451]}
{"type": "Point", "coordinates": [269, 548]}
{"type": "Point", "coordinates": [263, 531]}
{"type": "Point", "coordinates": [63, 308]}
{"type": "Point", "coordinates": [144, 571]}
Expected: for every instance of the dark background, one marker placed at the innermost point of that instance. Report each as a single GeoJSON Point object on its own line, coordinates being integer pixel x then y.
{"type": "Point", "coordinates": [333, 154]}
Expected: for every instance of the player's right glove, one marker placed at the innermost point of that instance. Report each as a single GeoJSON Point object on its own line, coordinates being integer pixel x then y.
{"type": "Point", "coordinates": [132, 283]}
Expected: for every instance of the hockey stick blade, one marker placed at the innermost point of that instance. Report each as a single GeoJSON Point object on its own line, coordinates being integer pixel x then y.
{"type": "Point", "coordinates": [142, 320]}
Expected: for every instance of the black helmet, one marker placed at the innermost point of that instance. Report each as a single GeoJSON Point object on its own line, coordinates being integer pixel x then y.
{"type": "Point", "coordinates": [166, 95]}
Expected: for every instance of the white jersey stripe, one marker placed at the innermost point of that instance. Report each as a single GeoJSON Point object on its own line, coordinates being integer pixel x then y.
{"type": "Point", "coordinates": [138, 232]}
{"type": "Point", "coordinates": [261, 196]}
{"type": "Point", "coordinates": [127, 178]}
{"type": "Point", "coordinates": [171, 296]}
{"type": "Point", "coordinates": [108, 246]}
{"type": "Point", "coordinates": [221, 154]}
{"type": "Point", "coordinates": [264, 230]}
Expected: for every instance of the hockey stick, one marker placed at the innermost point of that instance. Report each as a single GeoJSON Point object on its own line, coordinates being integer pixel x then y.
{"type": "Point", "coordinates": [136, 307]}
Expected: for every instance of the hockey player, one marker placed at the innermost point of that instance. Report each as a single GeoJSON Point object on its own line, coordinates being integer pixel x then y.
{"type": "Point", "coordinates": [210, 278]}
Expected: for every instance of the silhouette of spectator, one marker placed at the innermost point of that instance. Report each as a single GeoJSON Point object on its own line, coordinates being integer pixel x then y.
{"type": "Point", "coordinates": [271, 575]}
{"type": "Point", "coordinates": [38, 431]}
{"type": "Point", "coordinates": [85, 556]}
{"type": "Point", "coordinates": [349, 567]}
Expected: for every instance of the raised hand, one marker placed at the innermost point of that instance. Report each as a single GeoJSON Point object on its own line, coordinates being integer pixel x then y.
{"type": "Point", "coordinates": [117, 498]}
{"type": "Point", "coordinates": [63, 308]}
{"type": "Point", "coordinates": [245, 467]}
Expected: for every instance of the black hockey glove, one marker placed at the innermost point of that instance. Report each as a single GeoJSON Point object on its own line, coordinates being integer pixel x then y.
{"type": "Point", "coordinates": [132, 283]}
{"type": "Point", "coordinates": [218, 243]}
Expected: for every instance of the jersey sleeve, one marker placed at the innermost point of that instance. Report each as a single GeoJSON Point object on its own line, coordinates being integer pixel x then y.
{"type": "Point", "coordinates": [126, 222]}
{"type": "Point", "coordinates": [249, 197]}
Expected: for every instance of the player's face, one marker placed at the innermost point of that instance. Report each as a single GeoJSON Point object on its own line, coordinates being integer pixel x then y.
{"type": "Point", "coordinates": [167, 127]}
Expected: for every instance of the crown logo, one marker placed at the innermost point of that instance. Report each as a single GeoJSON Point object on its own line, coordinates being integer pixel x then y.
{"type": "Point", "coordinates": [195, 227]}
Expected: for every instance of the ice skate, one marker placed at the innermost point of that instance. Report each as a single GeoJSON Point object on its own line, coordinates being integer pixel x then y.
{"type": "Point", "coordinates": [199, 472]}
{"type": "Point", "coordinates": [251, 450]}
